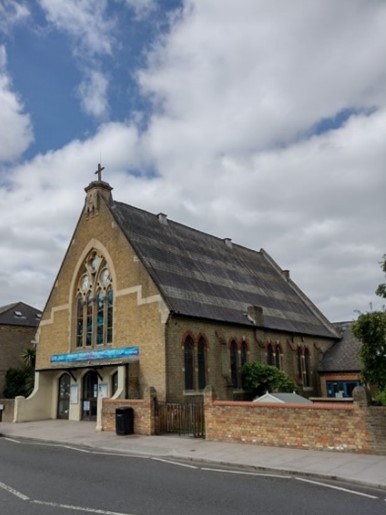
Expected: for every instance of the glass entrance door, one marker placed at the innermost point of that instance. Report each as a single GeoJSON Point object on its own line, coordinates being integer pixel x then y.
{"type": "Point", "coordinates": [64, 396]}
{"type": "Point", "coordinates": [90, 395]}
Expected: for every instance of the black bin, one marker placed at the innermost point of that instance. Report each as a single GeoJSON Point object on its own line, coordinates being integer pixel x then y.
{"type": "Point", "coordinates": [124, 421]}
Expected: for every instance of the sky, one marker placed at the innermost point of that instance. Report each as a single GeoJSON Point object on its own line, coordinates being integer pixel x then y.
{"type": "Point", "coordinates": [260, 121]}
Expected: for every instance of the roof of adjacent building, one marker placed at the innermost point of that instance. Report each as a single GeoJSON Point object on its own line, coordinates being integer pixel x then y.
{"type": "Point", "coordinates": [343, 356]}
{"type": "Point", "coordinates": [283, 398]}
{"type": "Point", "coordinates": [20, 314]}
{"type": "Point", "coordinates": [203, 276]}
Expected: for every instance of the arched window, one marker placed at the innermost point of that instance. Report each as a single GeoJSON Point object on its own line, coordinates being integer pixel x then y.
{"type": "Point", "coordinates": [270, 360]}
{"type": "Point", "coordinates": [277, 356]}
{"type": "Point", "coordinates": [234, 364]}
{"type": "Point", "coordinates": [188, 363]}
{"type": "Point", "coordinates": [79, 320]}
{"type": "Point", "coordinates": [306, 380]}
{"type": "Point", "coordinates": [243, 353]}
{"type": "Point", "coordinates": [299, 364]}
{"type": "Point", "coordinates": [94, 303]}
{"type": "Point", "coordinates": [201, 364]}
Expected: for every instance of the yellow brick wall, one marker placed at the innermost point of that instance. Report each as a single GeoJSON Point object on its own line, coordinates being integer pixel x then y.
{"type": "Point", "coordinates": [218, 337]}
{"type": "Point", "coordinates": [139, 312]}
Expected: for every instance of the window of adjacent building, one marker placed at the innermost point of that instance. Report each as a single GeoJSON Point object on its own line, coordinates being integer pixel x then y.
{"type": "Point", "coordinates": [94, 303]}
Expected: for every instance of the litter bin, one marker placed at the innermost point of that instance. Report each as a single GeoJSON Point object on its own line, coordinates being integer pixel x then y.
{"type": "Point", "coordinates": [124, 421]}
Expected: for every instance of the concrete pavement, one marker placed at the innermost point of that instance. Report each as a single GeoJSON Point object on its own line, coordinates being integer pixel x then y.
{"type": "Point", "coordinates": [365, 469]}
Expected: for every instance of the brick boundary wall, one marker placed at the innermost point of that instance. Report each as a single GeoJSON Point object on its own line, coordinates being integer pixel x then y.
{"type": "Point", "coordinates": [356, 427]}
{"type": "Point", "coordinates": [6, 415]}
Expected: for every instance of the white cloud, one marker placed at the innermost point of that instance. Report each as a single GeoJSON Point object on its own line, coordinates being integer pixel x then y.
{"type": "Point", "coordinates": [12, 13]}
{"type": "Point", "coordinates": [93, 94]}
{"type": "Point", "coordinates": [84, 20]}
{"type": "Point", "coordinates": [236, 88]}
{"type": "Point", "coordinates": [141, 8]}
{"type": "Point", "coordinates": [15, 125]}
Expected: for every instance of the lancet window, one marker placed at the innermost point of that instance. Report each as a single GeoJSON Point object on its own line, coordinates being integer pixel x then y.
{"type": "Point", "coordinates": [94, 303]}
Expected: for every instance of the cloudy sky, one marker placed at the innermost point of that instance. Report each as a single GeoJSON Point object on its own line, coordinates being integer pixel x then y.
{"type": "Point", "coordinates": [261, 121]}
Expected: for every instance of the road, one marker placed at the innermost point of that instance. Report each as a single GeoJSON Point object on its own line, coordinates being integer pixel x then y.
{"type": "Point", "coordinates": [40, 479]}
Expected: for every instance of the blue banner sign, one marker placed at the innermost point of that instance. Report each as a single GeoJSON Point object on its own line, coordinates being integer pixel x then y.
{"type": "Point", "coordinates": [92, 355]}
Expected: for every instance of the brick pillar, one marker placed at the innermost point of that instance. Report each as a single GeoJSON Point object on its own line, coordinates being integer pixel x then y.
{"type": "Point", "coordinates": [150, 397]}
{"type": "Point", "coordinates": [361, 397]}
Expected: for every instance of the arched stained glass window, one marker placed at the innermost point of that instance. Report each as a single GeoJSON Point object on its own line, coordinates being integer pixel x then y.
{"type": "Point", "coordinates": [109, 336]}
{"type": "Point", "coordinates": [94, 303]}
{"type": "Point", "coordinates": [100, 321]}
{"type": "Point", "coordinates": [79, 320]}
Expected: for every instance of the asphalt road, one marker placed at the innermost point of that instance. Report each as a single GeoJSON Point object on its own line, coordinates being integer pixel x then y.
{"type": "Point", "coordinates": [40, 479]}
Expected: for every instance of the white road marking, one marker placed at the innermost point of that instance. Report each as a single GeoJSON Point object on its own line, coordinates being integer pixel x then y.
{"type": "Point", "coordinates": [75, 449]}
{"type": "Point", "coordinates": [79, 508]}
{"type": "Point", "coordinates": [175, 463]}
{"type": "Point", "coordinates": [13, 491]}
{"type": "Point", "coordinates": [336, 488]}
{"type": "Point", "coordinates": [259, 474]}
{"type": "Point", "coordinates": [11, 440]}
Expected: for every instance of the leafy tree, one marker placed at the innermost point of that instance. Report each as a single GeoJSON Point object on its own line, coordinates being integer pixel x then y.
{"type": "Point", "coordinates": [370, 329]}
{"type": "Point", "coordinates": [15, 383]}
{"type": "Point", "coordinates": [20, 381]}
{"type": "Point", "coordinates": [29, 358]}
{"type": "Point", "coordinates": [258, 378]}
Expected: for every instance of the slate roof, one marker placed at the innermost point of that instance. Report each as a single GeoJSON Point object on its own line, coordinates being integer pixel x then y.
{"type": "Point", "coordinates": [203, 276]}
{"type": "Point", "coordinates": [343, 356]}
{"type": "Point", "coordinates": [19, 314]}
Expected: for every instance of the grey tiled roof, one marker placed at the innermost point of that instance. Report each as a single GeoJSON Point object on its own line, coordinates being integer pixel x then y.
{"type": "Point", "coordinates": [343, 356]}
{"type": "Point", "coordinates": [202, 276]}
{"type": "Point", "coordinates": [20, 314]}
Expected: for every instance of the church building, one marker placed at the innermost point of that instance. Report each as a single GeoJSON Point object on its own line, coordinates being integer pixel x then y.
{"type": "Point", "coordinates": [143, 301]}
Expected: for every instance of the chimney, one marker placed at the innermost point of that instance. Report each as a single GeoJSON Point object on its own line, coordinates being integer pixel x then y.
{"type": "Point", "coordinates": [286, 274]}
{"type": "Point", "coordinates": [255, 315]}
{"type": "Point", "coordinates": [162, 218]}
{"type": "Point", "coordinates": [228, 242]}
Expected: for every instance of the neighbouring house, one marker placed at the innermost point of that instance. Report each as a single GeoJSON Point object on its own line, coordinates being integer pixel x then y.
{"type": "Point", "coordinates": [142, 301]}
{"type": "Point", "coordinates": [279, 397]}
{"type": "Point", "coordinates": [18, 326]}
{"type": "Point", "coordinates": [340, 366]}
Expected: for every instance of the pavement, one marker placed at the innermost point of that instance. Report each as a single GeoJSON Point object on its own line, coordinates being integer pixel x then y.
{"type": "Point", "coordinates": [362, 469]}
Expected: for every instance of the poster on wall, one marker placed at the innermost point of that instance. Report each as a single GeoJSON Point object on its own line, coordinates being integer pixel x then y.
{"type": "Point", "coordinates": [74, 394]}
{"type": "Point", "coordinates": [102, 390]}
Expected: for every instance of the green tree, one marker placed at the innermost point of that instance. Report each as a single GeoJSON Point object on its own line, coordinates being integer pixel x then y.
{"type": "Point", "coordinates": [259, 378]}
{"type": "Point", "coordinates": [370, 329]}
{"type": "Point", "coordinates": [20, 381]}
{"type": "Point", "coordinates": [29, 359]}
{"type": "Point", "coordinates": [15, 383]}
